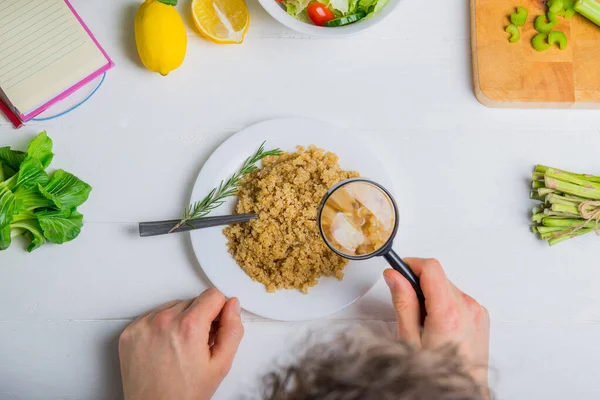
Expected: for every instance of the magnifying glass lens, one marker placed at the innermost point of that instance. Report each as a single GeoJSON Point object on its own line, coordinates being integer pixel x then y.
{"type": "Point", "coordinates": [358, 219]}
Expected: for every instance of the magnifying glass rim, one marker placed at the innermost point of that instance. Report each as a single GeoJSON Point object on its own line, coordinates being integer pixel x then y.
{"type": "Point", "coordinates": [386, 247]}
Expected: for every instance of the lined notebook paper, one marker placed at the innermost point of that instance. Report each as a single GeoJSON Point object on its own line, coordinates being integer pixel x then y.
{"type": "Point", "coordinates": [45, 52]}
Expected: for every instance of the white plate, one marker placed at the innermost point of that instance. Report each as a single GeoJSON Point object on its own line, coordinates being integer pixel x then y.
{"type": "Point", "coordinates": [210, 245]}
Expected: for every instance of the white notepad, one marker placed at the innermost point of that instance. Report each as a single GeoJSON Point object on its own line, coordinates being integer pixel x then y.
{"type": "Point", "coordinates": [46, 53]}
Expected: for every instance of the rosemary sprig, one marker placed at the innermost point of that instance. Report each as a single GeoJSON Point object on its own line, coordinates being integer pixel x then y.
{"type": "Point", "coordinates": [228, 188]}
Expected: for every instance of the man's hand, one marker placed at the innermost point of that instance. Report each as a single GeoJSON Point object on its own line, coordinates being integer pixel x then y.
{"type": "Point", "coordinates": [181, 350]}
{"type": "Point", "coordinates": [452, 316]}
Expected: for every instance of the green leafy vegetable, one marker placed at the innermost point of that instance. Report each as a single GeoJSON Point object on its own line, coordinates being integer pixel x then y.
{"type": "Point", "coordinates": [40, 149]}
{"type": "Point", "coordinates": [6, 171]}
{"type": "Point", "coordinates": [31, 228]}
{"type": "Point", "coordinates": [60, 226]}
{"type": "Point", "coordinates": [11, 158]}
{"type": "Point", "coordinates": [31, 173]}
{"type": "Point", "coordinates": [31, 198]}
{"type": "Point", "coordinates": [5, 238]}
{"type": "Point", "coordinates": [297, 9]}
{"type": "Point", "coordinates": [39, 206]}
{"type": "Point", "coordinates": [343, 6]}
{"type": "Point", "coordinates": [65, 190]}
{"type": "Point", "coordinates": [8, 205]}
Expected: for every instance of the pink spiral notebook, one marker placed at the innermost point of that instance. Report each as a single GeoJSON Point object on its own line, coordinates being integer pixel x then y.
{"type": "Point", "coordinates": [46, 53]}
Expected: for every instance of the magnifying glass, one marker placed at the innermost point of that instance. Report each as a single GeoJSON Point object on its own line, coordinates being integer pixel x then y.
{"type": "Point", "coordinates": [358, 219]}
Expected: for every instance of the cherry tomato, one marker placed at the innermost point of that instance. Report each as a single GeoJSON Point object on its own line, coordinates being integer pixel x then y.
{"type": "Point", "coordinates": [319, 13]}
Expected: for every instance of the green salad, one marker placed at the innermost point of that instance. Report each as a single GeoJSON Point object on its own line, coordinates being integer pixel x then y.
{"type": "Point", "coordinates": [332, 13]}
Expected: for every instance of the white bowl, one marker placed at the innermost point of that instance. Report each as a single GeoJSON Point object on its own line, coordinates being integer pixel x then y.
{"type": "Point", "coordinates": [278, 12]}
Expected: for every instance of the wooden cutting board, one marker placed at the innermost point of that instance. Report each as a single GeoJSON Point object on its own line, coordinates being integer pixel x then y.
{"type": "Point", "coordinates": [515, 75]}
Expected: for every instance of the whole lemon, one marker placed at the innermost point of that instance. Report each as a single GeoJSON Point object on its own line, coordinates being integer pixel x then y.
{"type": "Point", "coordinates": [160, 36]}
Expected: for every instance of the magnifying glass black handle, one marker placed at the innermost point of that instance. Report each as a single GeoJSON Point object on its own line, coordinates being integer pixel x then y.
{"type": "Point", "coordinates": [399, 265]}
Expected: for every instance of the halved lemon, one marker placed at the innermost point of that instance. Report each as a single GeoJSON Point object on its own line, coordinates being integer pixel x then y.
{"type": "Point", "coordinates": [222, 21]}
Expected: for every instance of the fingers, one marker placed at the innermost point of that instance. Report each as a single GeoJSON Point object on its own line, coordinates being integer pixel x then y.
{"type": "Point", "coordinates": [406, 305]}
{"type": "Point", "coordinates": [202, 311]}
{"type": "Point", "coordinates": [228, 336]}
{"type": "Point", "coordinates": [437, 289]}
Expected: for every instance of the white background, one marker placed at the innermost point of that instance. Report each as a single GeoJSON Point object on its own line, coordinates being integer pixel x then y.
{"type": "Point", "coordinates": [461, 172]}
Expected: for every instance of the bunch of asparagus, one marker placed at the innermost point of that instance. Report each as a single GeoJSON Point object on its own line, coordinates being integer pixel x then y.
{"type": "Point", "coordinates": [570, 204]}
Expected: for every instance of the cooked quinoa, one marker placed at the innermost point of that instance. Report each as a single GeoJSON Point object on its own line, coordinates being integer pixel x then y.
{"type": "Point", "coordinates": [283, 249]}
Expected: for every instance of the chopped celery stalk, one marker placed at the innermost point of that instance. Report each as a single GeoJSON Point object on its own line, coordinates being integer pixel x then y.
{"type": "Point", "coordinates": [542, 25]}
{"type": "Point", "coordinates": [566, 10]}
{"type": "Point", "coordinates": [555, 6]}
{"type": "Point", "coordinates": [557, 38]}
{"type": "Point", "coordinates": [515, 33]}
{"type": "Point", "coordinates": [520, 17]}
{"type": "Point", "coordinates": [539, 43]}
{"type": "Point", "coordinates": [589, 9]}
{"type": "Point", "coordinates": [552, 17]}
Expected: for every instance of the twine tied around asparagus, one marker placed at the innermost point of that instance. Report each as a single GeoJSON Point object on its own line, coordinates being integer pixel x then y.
{"type": "Point", "coordinates": [590, 211]}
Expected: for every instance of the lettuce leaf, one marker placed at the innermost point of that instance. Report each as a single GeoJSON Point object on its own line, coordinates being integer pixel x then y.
{"type": "Point", "coordinates": [5, 238]}
{"type": "Point", "coordinates": [6, 172]}
{"type": "Point", "coordinates": [31, 198]}
{"type": "Point", "coordinates": [60, 226]}
{"type": "Point", "coordinates": [11, 158]}
{"type": "Point", "coordinates": [9, 206]}
{"type": "Point", "coordinates": [31, 173]}
{"type": "Point", "coordinates": [353, 6]}
{"type": "Point", "coordinates": [370, 7]}
{"type": "Point", "coordinates": [296, 7]}
{"type": "Point", "coordinates": [65, 190]}
{"type": "Point", "coordinates": [343, 6]}
{"type": "Point", "coordinates": [40, 149]}
{"type": "Point", "coordinates": [33, 231]}
{"type": "Point", "coordinates": [380, 4]}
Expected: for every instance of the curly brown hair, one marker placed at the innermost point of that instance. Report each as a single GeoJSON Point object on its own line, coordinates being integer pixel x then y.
{"type": "Point", "coordinates": [361, 364]}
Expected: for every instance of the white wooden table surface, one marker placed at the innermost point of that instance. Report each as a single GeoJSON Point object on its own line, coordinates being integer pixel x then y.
{"type": "Point", "coordinates": [461, 171]}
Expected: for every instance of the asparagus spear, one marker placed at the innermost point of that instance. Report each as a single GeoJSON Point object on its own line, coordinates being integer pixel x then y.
{"type": "Point", "coordinates": [565, 198]}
